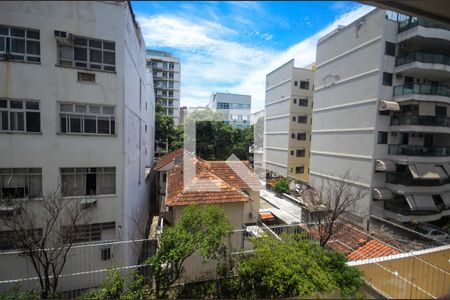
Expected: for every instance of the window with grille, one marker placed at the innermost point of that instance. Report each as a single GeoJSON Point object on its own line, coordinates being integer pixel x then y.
{"type": "Point", "coordinates": [300, 170]}
{"type": "Point", "coordinates": [20, 116]}
{"type": "Point", "coordinates": [88, 53]}
{"type": "Point", "coordinates": [301, 136]}
{"type": "Point", "coordinates": [20, 44]}
{"type": "Point", "coordinates": [19, 183]}
{"type": "Point", "coordinates": [88, 181]}
{"type": "Point", "coordinates": [304, 85]}
{"type": "Point", "coordinates": [87, 119]}
{"type": "Point", "coordinates": [300, 152]}
{"type": "Point", "coordinates": [302, 119]}
{"type": "Point", "coordinates": [90, 232]}
{"type": "Point", "coordinates": [303, 102]}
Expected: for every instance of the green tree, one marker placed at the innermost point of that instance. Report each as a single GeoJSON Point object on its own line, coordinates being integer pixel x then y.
{"type": "Point", "coordinates": [282, 185]}
{"type": "Point", "coordinates": [163, 126]}
{"type": "Point", "coordinates": [177, 138]}
{"type": "Point", "coordinates": [200, 228]}
{"type": "Point", "coordinates": [294, 267]}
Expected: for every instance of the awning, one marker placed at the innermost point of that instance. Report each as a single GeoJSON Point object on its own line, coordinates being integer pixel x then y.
{"type": "Point", "coordinates": [384, 165]}
{"type": "Point", "coordinates": [147, 171]}
{"type": "Point", "coordinates": [388, 105]}
{"type": "Point", "coordinates": [382, 194]}
{"type": "Point", "coordinates": [446, 197]}
{"type": "Point", "coordinates": [427, 171]}
{"type": "Point", "coordinates": [424, 202]}
{"type": "Point", "coordinates": [421, 202]}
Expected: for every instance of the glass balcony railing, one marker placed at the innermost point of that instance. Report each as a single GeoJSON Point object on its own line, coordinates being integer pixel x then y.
{"type": "Point", "coordinates": [422, 89]}
{"type": "Point", "coordinates": [414, 21]}
{"type": "Point", "coordinates": [420, 120]}
{"type": "Point", "coordinates": [407, 180]}
{"type": "Point", "coordinates": [417, 150]}
{"type": "Point", "coordinates": [430, 58]}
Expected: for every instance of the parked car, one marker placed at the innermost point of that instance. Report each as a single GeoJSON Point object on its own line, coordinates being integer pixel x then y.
{"type": "Point", "coordinates": [433, 233]}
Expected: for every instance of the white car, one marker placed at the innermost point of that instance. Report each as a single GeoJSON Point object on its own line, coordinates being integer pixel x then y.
{"type": "Point", "coordinates": [434, 233]}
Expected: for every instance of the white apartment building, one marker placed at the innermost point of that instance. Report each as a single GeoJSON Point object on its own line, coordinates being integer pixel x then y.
{"type": "Point", "coordinates": [77, 112]}
{"type": "Point", "coordinates": [234, 108]}
{"type": "Point", "coordinates": [381, 106]}
{"type": "Point", "coordinates": [288, 106]}
{"type": "Point", "coordinates": [256, 115]}
{"type": "Point", "coordinates": [167, 80]}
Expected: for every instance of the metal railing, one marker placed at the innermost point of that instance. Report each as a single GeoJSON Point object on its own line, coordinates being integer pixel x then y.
{"type": "Point", "coordinates": [412, 22]}
{"type": "Point", "coordinates": [430, 58]}
{"type": "Point", "coordinates": [422, 89]}
{"type": "Point", "coordinates": [420, 120]}
{"type": "Point", "coordinates": [417, 150]}
{"type": "Point", "coordinates": [408, 180]}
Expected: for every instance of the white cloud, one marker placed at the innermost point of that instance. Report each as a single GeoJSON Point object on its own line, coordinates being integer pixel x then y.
{"type": "Point", "coordinates": [212, 60]}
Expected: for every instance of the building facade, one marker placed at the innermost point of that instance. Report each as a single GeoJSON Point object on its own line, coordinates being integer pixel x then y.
{"type": "Point", "coordinates": [288, 106]}
{"type": "Point", "coordinates": [77, 114]}
{"type": "Point", "coordinates": [380, 113]}
{"type": "Point", "coordinates": [234, 108]}
{"type": "Point", "coordinates": [167, 79]}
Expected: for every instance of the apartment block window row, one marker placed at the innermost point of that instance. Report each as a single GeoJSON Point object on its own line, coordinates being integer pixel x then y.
{"type": "Point", "coordinates": [20, 44]}
{"type": "Point", "coordinates": [304, 85]}
{"type": "Point", "coordinates": [88, 181]}
{"type": "Point", "coordinates": [302, 119]}
{"type": "Point", "coordinates": [19, 116]}
{"type": "Point", "coordinates": [303, 102]}
{"type": "Point", "coordinates": [8, 238]}
{"type": "Point", "coordinates": [87, 119]}
{"type": "Point", "coordinates": [92, 232]}
{"type": "Point", "coordinates": [18, 183]}
{"type": "Point", "coordinates": [300, 152]}
{"type": "Point", "coordinates": [223, 105]}
{"type": "Point", "coordinates": [88, 53]}
{"type": "Point", "coordinates": [301, 136]}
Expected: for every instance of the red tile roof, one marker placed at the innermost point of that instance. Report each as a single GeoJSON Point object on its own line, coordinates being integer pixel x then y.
{"type": "Point", "coordinates": [168, 158]}
{"type": "Point", "coordinates": [355, 243]}
{"type": "Point", "coordinates": [237, 173]}
{"type": "Point", "coordinates": [266, 215]}
{"type": "Point", "coordinates": [204, 188]}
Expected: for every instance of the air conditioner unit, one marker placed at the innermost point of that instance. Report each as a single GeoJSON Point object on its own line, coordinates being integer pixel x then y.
{"type": "Point", "coordinates": [393, 133]}
{"type": "Point", "coordinates": [64, 38]}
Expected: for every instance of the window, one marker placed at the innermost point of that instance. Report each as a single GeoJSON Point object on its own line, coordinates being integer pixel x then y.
{"type": "Point", "coordinates": [303, 119]}
{"type": "Point", "coordinates": [293, 118]}
{"type": "Point", "coordinates": [300, 170]}
{"type": "Point", "coordinates": [87, 77]}
{"type": "Point", "coordinates": [382, 137]}
{"type": "Point", "coordinates": [19, 44]}
{"type": "Point", "coordinates": [105, 253]}
{"type": "Point", "coordinates": [20, 183]}
{"type": "Point", "coordinates": [19, 116]}
{"type": "Point", "coordinates": [8, 238]}
{"type": "Point", "coordinates": [296, 83]}
{"type": "Point", "coordinates": [87, 119]}
{"type": "Point", "coordinates": [223, 105]}
{"type": "Point", "coordinates": [387, 79]}
{"type": "Point", "coordinates": [292, 152]}
{"type": "Point", "coordinates": [301, 136]}
{"type": "Point", "coordinates": [303, 102]}
{"type": "Point", "coordinates": [441, 111]}
{"type": "Point", "coordinates": [88, 53]}
{"type": "Point", "coordinates": [300, 153]}
{"type": "Point", "coordinates": [389, 49]}
{"type": "Point", "coordinates": [293, 135]}
{"type": "Point", "coordinates": [88, 181]}
{"type": "Point", "coordinates": [304, 85]}
{"type": "Point", "coordinates": [295, 101]}
{"type": "Point", "coordinates": [91, 232]}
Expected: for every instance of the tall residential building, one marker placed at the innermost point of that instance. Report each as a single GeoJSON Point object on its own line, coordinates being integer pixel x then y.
{"type": "Point", "coordinates": [288, 105]}
{"type": "Point", "coordinates": [235, 108]}
{"type": "Point", "coordinates": [77, 115]}
{"type": "Point", "coordinates": [381, 107]}
{"type": "Point", "coordinates": [256, 115]}
{"type": "Point", "coordinates": [167, 78]}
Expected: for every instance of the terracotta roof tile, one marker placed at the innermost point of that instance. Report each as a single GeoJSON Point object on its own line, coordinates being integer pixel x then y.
{"type": "Point", "coordinates": [226, 171]}
{"type": "Point", "coordinates": [204, 188]}
{"type": "Point", "coordinates": [168, 158]}
{"type": "Point", "coordinates": [371, 249]}
{"type": "Point", "coordinates": [266, 215]}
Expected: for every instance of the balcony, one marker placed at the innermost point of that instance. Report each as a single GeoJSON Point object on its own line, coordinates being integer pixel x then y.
{"type": "Point", "coordinates": [413, 22]}
{"type": "Point", "coordinates": [422, 89]}
{"type": "Point", "coordinates": [417, 150]}
{"type": "Point", "coordinates": [415, 120]}
{"type": "Point", "coordinates": [408, 180]}
{"type": "Point", "coordinates": [429, 58]}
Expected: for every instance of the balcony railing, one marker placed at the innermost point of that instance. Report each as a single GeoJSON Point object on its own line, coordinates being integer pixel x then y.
{"type": "Point", "coordinates": [420, 120]}
{"type": "Point", "coordinates": [417, 150]}
{"type": "Point", "coordinates": [430, 58]}
{"type": "Point", "coordinates": [407, 180]}
{"type": "Point", "coordinates": [413, 22]}
{"type": "Point", "coordinates": [423, 89]}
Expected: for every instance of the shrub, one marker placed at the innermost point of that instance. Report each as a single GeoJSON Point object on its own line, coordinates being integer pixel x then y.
{"type": "Point", "coordinates": [282, 185]}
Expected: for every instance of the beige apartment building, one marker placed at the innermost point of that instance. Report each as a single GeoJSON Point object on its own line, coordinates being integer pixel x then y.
{"type": "Point", "coordinates": [288, 106]}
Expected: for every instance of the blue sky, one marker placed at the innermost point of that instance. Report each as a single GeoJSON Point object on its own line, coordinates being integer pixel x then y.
{"type": "Point", "coordinates": [231, 46]}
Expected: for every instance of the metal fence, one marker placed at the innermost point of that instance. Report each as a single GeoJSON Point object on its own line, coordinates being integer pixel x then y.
{"type": "Point", "coordinates": [420, 274]}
